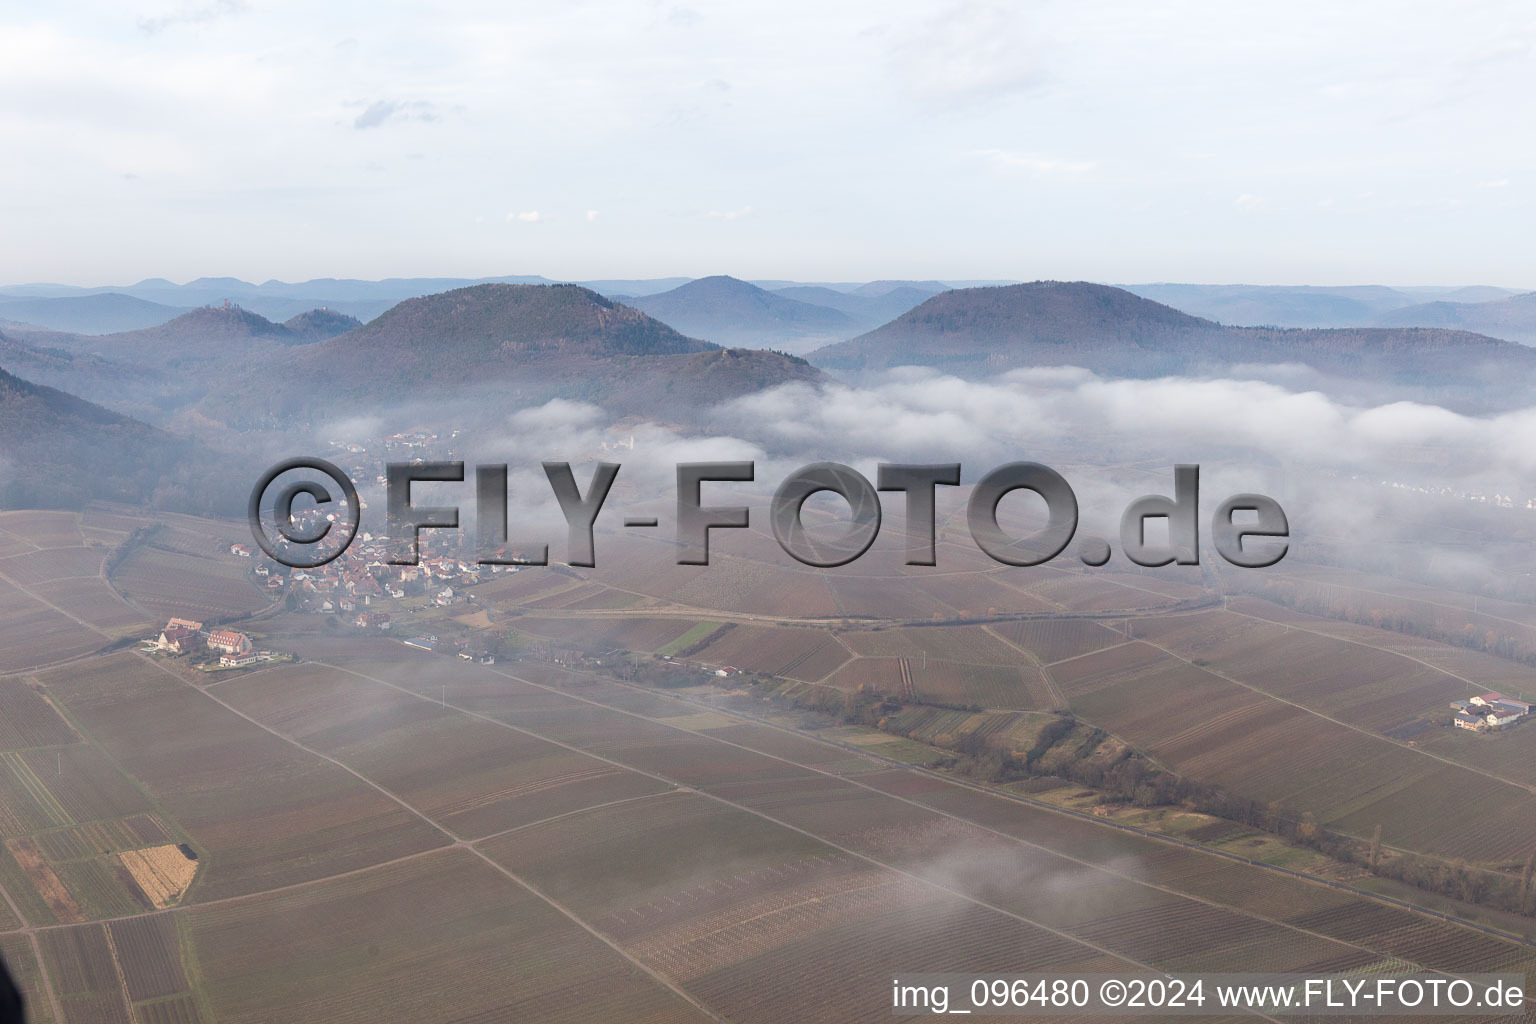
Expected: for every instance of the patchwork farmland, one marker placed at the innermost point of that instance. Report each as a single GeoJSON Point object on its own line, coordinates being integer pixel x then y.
{"type": "Point", "coordinates": [536, 840]}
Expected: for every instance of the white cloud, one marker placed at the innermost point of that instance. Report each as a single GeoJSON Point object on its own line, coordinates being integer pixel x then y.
{"type": "Point", "coordinates": [1039, 166]}
{"type": "Point", "coordinates": [380, 111]}
{"type": "Point", "coordinates": [917, 413]}
{"type": "Point", "coordinates": [1113, 439]}
{"type": "Point", "coordinates": [193, 16]}
{"type": "Point", "coordinates": [971, 51]}
{"type": "Point", "coordinates": [558, 415]}
{"type": "Point", "coordinates": [525, 216]}
{"type": "Point", "coordinates": [562, 430]}
{"type": "Point", "coordinates": [741, 214]}
{"type": "Point", "coordinates": [683, 17]}
{"type": "Point", "coordinates": [591, 216]}
{"type": "Point", "coordinates": [840, 118]}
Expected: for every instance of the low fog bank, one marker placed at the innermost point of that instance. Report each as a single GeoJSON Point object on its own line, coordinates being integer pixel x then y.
{"type": "Point", "coordinates": [1403, 487]}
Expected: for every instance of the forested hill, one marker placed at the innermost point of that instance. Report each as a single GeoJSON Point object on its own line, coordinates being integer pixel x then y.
{"type": "Point", "coordinates": [980, 332]}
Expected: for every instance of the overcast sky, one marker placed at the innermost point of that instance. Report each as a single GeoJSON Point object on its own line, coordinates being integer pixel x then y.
{"type": "Point", "coordinates": [1215, 142]}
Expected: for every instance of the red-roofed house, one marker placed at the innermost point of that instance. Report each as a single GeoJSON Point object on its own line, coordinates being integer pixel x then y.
{"type": "Point", "coordinates": [228, 641]}
{"type": "Point", "coordinates": [177, 639]}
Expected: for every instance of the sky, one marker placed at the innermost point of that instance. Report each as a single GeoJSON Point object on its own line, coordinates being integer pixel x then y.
{"type": "Point", "coordinates": [1314, 143]}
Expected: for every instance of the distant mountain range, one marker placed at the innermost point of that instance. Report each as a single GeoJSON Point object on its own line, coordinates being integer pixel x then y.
{"type": "Point", "coordinates": [728, 311]}
{"type": "Point", "coordinates": [206, 333]}
{"type": "Point", "coordinates": [154, 301]}
{"type": "Point", "coordinates": [102, 313]}
{"type": "Point", "coordinates": [866, 308]}
{"type": "Point", "coordinates": [732, 312]}
{"type": "Point", "coordinates": [1512, 317]}
{"type": "Point", "coordinates": [236, 368]}
{"type": "Point", "coordinates": [981, 332]}
{"type": "Point", "coordinates": [155, 371]}
{"type": "Point", "coordinates": [467, 356]}
{"type": "Point", "coordinates": [459, 356]}
{"type": "Point", "coordinates": [230, 366]}
{"type": "Point", "coordinates": [1313, 306]}
{"type": "Point", "coordinates": [274, 300]}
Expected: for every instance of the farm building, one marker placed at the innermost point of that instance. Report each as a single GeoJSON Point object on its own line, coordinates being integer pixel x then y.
{"type": "Point", "coordinates": [1489, 711]}
{"type": "Point", "coordinates": [237, 660]}
{"type": "Point", "coordinates": [1498, 700]}
{"type": "Point", "coordinates": [177, 639]}
{"type": "Point", "coordinates": [422, 643]}
{"type": "Point", "coordinates": [228, 641]}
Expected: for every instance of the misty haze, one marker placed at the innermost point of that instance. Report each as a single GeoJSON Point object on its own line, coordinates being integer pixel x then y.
{"type": "Point", "coordinates": [491, 776]}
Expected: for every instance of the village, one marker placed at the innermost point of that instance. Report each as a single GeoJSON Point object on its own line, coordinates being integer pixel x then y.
{"type": "Point", "coordinates": [350, 584]}
{"type": "Point", "coordinates": [357, 587]}
{"type": "Point", "coordinates": [362, 575]}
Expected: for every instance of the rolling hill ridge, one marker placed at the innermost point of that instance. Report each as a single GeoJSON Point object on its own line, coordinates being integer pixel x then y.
{"type": "Point", "coordinates": [521, 342]}
{"type": "Point", "coordinates": [981, 332]}
{"type": "Point", "coordinates": [62, 451]}
{"type": "Point", "coordinates": [732, 312]}
{"type": "Point", "coordinates": [1512, 318]}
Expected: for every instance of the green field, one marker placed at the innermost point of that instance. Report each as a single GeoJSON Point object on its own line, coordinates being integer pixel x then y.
{"type": "Point", "coordinates": [698, 631]}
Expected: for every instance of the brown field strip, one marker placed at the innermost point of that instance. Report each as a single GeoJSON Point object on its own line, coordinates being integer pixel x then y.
{"type": "Point", "coordinates": [43, 879]}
